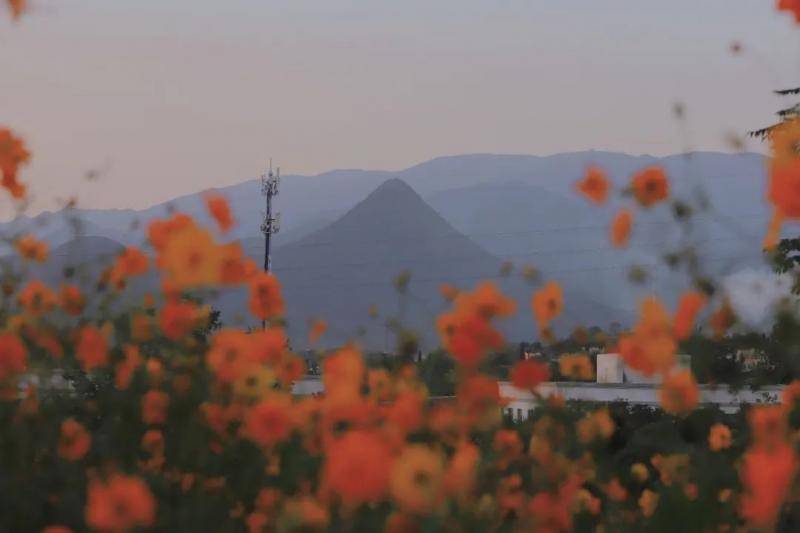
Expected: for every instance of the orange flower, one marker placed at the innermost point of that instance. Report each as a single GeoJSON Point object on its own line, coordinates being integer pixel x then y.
{"type": "Point", "coordinates": [576, 366]}
{"type": "Point", "coordinates": [461, 475]}
{"type": "Point", "coordinates": [132, 262]}
{"type": "Point", "coordinates": [269, 345]}
{"type": "Point", "coordinates": [290, 369]}
{"type": "Point", "coordinates": [343, 372]}
{"type": "Point", "coordinates": [478, 397]}
{"type": "Point", "coordinates": [265, 296]}
{"type": "Point", "coordinates": [792, 6]}
{"type": "Point", "coordinates": [12, 149]}
{"type": "Point", "coordinates": [417, 480]}
{"type": "Point", "coordinates": [72, 300]}
{"type": "Point", "coordinates": [487, 301]}
{"type": "Point", "coordinates": [159, 232]}
{"type": "Point", "coordinates": [36, 298]}
{"type": "Point", "coordinates": [120, 503]}
{"type": "Point", "coordinates": [650, 186]}
{"type": "Point", "coordinates": [529, 374]}
{"type": "Point", "coordinates": [784, 188]}
{"type": "Point", "coordinates": [270, 422]}
{"type": "Point", "coordinates": [230, 355]}
{"type": "Point", "coordinates": [92, 348]}
{"type": "Point", "coordinates": [74, 441]}
{"type": "Point", "coordinates": [141, 327]}
{"type": "Point", "coordinates": [594, 185]}
{"type": "Point", "coordinates": [689, 305]}
{"type": "Point", "coordinates": [547, 303]}
{"type": "Point", "coordinates": [648, 501]}
{"type": "Point", "coordinates": [153, 442]}
{"type": "Point", "coordinates": [30, 248]}
{"type": "Point", "coordinates": [768, 425]}
{"type": "Point", "coordinates": [508, 446]}
{"type": "Point", "coordinates": [596, 425]}
{"type": "Point", "coordinates": [621, 227]}
{"type": "Point", "coordinates": [651, 347]}
{"type": "Point", "coordinates": [13, 356]}
{"type": "Point", "coordinates": [220, 210]}
{"type": "Point", "coordinates": [719, 437]}
{"type": "Point", "coordinates": [357, 467]}
{"type": "Point", "coordinates": [178, 319]}
{"type": "Point", "coordinates": [767, 476]}
{"type": "Point", "coordinates": [127, 366]}
{"type": "Point", "coordinates": [790, 395]}
{"type": "Point", "coordinates": [722, 319]}
{"type": "Point", "coordinates": [406, 412]}
{"type": "Point", "coordinates": [187, 254]}
{"type": "Point", "coordinates": [316, 330]}
{"type": "Point", "coordinates": [552, 511]}
{"type": "Point", "coordinates": [467, 336]}
{"type": "Point", "coordinates": [154, 407]}
{"type": "Point", "coordinates": [679, 393]}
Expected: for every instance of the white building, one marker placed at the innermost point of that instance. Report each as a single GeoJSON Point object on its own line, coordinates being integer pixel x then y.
{"type": "Point", "coordinates": [615, 382]}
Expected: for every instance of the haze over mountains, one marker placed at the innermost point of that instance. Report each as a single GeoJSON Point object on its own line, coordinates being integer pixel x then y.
{"type": "Point", "coordinates": [347, 234]}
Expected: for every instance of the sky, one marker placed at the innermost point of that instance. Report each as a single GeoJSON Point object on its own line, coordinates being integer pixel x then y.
{"type": "Point", "coordinates": [167, 97]}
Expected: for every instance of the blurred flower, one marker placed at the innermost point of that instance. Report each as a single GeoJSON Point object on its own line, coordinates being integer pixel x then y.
{"type": "Point", "coordinates": [220, 211]}
{"type": "Point", "coordinates": [766, 475]}
{"type": "Point", "coordinates": [461, 474]}
{"type": "Point", "coordinates": [265, 296]}
{"type": "Point", "coordinates": [12, 149]}
{"type": "Point", "coordinates": [13, 356]}
{"type": "Point", "coordinates": [416, 480]}
{"type": "Point", "coordinates": [154, 407]}
{"type": "Point", "coordinates": [648, 501]}
{"type": "Point", "coordinates": [547, 303]}
{"type": "Point", "coordinates": [679, 393]}
{"type": "Point", "coordinates": [178, 319]}
{"type": "Point", "coordinates": [32, 249]}
{"type": "Point", "coordinates": [36, 298]}
{"type": "Point", "coordinates": [596, 425]}
{"type": "Point", "coordinates": [92, 348]}
{"type": "Point", "coordinates": [357, 467]}
{"type": "Point", "coordinates": [72, 300]}
{"type": "Point", "coordinates": [270, 421]}
{"type": "Point", "coordinates": [650, 186]}
{"type": "Point", "coordinates": [230, 355]}
{"type": "Point", "coordinates": [576, 366]}
{"type": "Point", "coordinates": [719, 437]}
{"type": "Point", "coordinates": [792, 6]}
{"type": "Point", "coordinates": [74, 441]}
{"type": "Point", "coordinates": [120, 503]}
{"type": "Point", "coordinates": [317, 328]}
{"type": "Point", "coordinates": [689, 305]}
{"type": "Point", "coordinates": [594, 185]}
{"type": "Point", "coordinates": [529, 374]}
{"type": "Point", "coordinates": [650, 347]}
{"type": "Point", "coordinates": [621, 228]}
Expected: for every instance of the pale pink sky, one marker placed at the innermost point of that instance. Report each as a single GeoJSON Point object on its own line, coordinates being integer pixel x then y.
{"type": "Point", "coordinates": [173, 96]}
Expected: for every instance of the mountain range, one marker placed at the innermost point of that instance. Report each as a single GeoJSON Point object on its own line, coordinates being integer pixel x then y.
{"type": "Point", "coordinates": [346, 234]}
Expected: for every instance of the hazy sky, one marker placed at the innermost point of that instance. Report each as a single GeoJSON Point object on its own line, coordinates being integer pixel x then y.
{"type": "Point", "coordinates": [173, 96]}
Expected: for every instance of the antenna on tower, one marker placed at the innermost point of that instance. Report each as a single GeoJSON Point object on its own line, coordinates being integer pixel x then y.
{"type": "Point", "coordinates": [270, 224]}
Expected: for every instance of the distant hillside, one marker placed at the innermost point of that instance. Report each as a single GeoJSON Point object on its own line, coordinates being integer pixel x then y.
{"type": "Point", "coordinates": [341, 270]}
{"type": "Point", "coordinates": [516, 208]}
